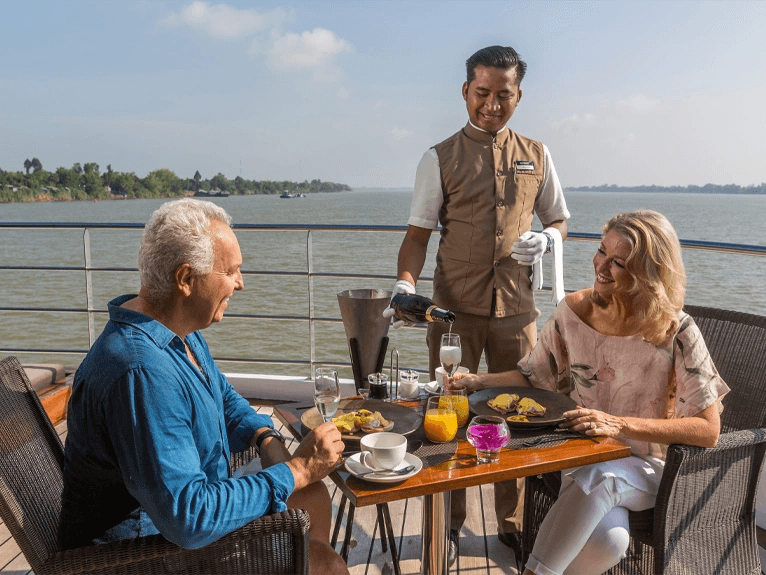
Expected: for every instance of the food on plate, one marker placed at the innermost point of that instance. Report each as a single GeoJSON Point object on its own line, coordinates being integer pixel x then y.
{"type": "Point", "coordinates": [510, 403]}
{"type": "Point", "coordinates": [523, 418]}
{"type": "Point", "coordinates": [363, 419]}
{"type": "Point", "coordinates": [504, 403]}
{"type": "Point", "coordinates": [529, 407]}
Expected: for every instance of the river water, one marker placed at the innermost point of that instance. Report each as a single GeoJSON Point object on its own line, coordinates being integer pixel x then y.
{"type": "Point", "coordinates": [715, 279]}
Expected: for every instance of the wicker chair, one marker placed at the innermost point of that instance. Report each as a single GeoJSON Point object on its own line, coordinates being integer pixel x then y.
{"type": "Point", "coordinates": [704, 518]}
{"type": "Point", "coordinates": [31, 482]}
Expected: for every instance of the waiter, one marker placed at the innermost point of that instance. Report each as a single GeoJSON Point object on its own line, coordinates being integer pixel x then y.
{"type": "Point", "coordinates": [482, 185]}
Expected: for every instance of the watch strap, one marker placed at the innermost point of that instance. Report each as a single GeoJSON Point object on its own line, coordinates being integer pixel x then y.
{"type": "Point", "coordinates": [270, 432]}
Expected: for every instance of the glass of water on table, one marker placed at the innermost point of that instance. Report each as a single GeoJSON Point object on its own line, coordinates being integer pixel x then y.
{"type": "Point", "coordinates": [326, 392]}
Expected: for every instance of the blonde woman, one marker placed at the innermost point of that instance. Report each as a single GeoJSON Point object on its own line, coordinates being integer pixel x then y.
{"type": "Point", "coordinates": [637, 366]}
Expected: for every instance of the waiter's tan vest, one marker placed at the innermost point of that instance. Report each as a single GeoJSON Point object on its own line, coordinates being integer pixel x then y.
{"type": "Point", "coordinates": [489, 186]}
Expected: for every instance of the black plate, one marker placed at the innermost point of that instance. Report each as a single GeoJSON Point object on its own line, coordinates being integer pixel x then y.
{"type": "Point", "coordinates": [555, 405]}
{"type": "Point", "coordinates": [405, 420]}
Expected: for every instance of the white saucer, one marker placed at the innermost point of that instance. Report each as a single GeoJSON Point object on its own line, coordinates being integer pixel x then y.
{"type": "Point", "coordinates": [354, 466]}
{"type": "Point", "coordinates": [433, 388]}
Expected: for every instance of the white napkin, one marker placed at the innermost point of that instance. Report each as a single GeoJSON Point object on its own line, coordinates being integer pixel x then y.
{"type": "Point", "coordinates": [557, 250]}
{"type": "Point", "coordinates": [250, 468]}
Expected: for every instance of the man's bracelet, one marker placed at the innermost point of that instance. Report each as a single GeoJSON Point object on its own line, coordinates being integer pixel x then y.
{"type": "Point", "coordinates": [270, 432]}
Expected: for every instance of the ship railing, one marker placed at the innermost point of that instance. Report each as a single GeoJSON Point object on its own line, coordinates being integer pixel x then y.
{"type": "Point", "coordinates": [309, 274]}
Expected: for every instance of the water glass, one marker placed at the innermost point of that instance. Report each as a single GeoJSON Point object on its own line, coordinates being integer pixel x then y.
{"type": "Point", "coordinates": [439, 421]}
{"type": "Point", "coordinates": [488, 434]}
{"type": "Point", "coordinates": [326, 392]}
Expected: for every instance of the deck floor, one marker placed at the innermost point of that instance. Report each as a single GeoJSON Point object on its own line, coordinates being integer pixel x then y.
{"type": "Point", "coordinates": [480, 551]}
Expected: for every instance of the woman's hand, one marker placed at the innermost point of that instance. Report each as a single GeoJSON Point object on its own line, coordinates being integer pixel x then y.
{"type": "Point", "coordinates": [701, 429]}
{"type": "Point", "coordinates": [592, 422]}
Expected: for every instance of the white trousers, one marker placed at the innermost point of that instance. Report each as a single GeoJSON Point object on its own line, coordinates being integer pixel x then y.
{"type": "Point", "coordinates": [586, 534]}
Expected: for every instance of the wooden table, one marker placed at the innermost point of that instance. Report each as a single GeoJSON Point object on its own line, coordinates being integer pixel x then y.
{"type": "Point", "coordinates": [435, 483]}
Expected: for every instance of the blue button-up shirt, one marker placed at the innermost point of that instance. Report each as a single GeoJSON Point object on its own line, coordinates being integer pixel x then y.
{"type": "Point", "coordinates": [147, 430]}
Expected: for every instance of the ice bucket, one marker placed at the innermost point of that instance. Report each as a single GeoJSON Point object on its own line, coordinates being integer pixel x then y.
{"type": "Point", "coordinates": [366, 330]}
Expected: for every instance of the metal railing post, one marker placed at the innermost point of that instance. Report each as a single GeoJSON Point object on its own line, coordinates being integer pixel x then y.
{"type": "Point", "coordinates": [88, 288]}
{"type": "Point", "coordinates": [310, 265]}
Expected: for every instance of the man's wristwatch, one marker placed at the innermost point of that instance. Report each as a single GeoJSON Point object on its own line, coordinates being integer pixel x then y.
{"type": "Point", "coordinates": [270, 432]}
{"type": "Point", "coordinates": [549, 245]}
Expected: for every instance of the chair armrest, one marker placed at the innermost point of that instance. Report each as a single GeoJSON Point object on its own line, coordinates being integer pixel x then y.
{"type": "Point", "coordinates": [254, 548]}
{"type": "Point", "coordinates": [239, 458]}
{"type": "Point", "coordinates": [709, 486]}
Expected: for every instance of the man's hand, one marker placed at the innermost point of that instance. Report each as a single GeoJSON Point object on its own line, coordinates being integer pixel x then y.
{"type": "Point", "coordinates": [471, 381]}
{"type": "Point", "coordinates": [529, 248]}
{"type": "Point", "coordinates": [317, 455]}
{"type": "Point", "coordinates": [405, 287]}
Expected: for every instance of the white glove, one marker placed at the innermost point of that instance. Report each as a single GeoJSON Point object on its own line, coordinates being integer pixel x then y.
{"type": "Point", "coordinates": [529, 248]}
{"type": "Point", "coordinates": [405, 287]}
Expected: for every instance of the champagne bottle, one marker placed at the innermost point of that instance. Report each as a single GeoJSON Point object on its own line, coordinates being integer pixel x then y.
{"type": "Point", "coordinates": [418, 309]}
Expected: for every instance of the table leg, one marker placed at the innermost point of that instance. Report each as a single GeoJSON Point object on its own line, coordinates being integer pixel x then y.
{"type": "Point", "coordinates": [435, 537]}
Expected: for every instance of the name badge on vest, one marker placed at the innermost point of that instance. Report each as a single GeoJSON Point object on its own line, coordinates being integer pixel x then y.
{"type": "Point", "coordinates": [524, 165]}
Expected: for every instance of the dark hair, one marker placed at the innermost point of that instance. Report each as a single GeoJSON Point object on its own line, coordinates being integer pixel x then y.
{"type": "Point", "coordinates": [503, 57]}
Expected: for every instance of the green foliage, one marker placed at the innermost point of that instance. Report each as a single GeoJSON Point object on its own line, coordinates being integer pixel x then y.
{"type": "Point", "coordinates": [91, 168]}
{"type": "Point", "coordinates": [84, 181]}
{"type": "Point", "coordinates": [68, 178]}
{"type": "Point", "coordinates": [160, 182]}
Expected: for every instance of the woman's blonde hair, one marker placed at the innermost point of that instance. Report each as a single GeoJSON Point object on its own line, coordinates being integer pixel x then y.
{"type": "Point", "coordinates": [657, 269]}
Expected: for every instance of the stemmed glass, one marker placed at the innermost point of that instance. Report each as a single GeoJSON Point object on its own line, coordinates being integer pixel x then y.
{"type": "Point", "coordinates": [450, 353]}
{"type": "Point", "coordinates": [326, 392]}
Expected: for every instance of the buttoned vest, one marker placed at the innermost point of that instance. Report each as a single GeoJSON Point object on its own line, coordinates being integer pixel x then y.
{"type": "Point", "coordinates": [489, 186]}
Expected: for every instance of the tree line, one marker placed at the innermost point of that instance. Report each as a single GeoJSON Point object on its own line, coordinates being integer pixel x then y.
{"type": "Point", "coordinates": [706, 189]}
{"type": "Point", "coordinates": [86, 181]}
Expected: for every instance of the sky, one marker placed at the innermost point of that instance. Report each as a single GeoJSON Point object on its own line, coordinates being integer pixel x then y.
{"type": "Point", "coordinates": [622, 92]}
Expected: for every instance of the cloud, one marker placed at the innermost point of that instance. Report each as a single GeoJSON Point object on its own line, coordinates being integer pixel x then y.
{"type": "Point", "coordinates": [399, 134]}
{"type": "Point", "coordinates": [637, 104]}
{"type": "Point", "coordinates": [315, 49]}
{"type": "Point", "coordinates": [223, 21]}
{"type": "Point", "coordinates": [574, 122]}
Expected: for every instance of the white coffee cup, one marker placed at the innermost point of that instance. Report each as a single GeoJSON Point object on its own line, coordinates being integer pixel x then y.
{"type": "Point", "coordinates": [383, 450]}
{"type": "Point", "coordinates": [441, 375]}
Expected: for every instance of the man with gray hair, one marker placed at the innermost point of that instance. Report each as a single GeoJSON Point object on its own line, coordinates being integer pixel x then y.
{"type": "Point", "coordinates": [152, 421]}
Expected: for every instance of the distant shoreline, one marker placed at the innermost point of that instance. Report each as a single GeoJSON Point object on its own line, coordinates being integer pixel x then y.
{"type": "Point", "coordinates": [706, 189]}
{"type": "Point", "coordinates": [42, 197]}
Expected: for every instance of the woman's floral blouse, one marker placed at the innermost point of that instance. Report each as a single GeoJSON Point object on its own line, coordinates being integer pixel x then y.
{"type": "Point", "coordinates": [625, 376]}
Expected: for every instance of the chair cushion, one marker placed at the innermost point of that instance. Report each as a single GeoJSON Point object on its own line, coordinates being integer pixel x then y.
{"type": "Point", "coordinates": [42, 375]}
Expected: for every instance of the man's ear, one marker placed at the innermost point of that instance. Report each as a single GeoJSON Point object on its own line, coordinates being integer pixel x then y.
{"type": "Point", "coordinates": [465, 91]}
{"type": "Point", "coordinates": [185, 278]}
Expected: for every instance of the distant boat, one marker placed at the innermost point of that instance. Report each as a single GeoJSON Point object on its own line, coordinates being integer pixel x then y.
{"type": "Point", "coordinates": [211, 194]}
{"type": "Point", "coordinates": [289, 194]}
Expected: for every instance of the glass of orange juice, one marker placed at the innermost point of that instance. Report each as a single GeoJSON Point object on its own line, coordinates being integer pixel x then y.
{"type": "Point", "coordinates": [456, 396]}
{"type": "Point", "coordinates": [440, 420]}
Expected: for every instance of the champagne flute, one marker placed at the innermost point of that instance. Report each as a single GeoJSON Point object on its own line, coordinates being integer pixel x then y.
{"type": "Point", "coordinates": [450, 353]}
{"type": "Point", "coordinates": [326, 392]}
